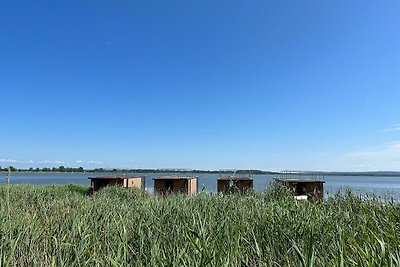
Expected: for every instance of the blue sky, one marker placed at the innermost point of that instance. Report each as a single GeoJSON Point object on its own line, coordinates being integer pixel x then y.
{"type": "Point", "coordinates": [310, 85]}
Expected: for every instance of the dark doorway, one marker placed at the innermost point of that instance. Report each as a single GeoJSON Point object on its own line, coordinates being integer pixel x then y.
{"type": "Point", "coordinates": [169, 185]}
{"type": "Point", "coordinates": [300, 190]}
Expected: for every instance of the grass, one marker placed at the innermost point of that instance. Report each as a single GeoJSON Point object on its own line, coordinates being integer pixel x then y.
{"type": "Point", "coordinates": [61, 226]}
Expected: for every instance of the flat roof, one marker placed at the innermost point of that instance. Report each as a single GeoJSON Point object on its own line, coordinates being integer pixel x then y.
{"type": "Point", "coordinates": [230, 178]}
{"type": "Point", "coordinates": [299, 180]}
{"type": "Point", "coordinates": [114, 177]}
{"type": "Point", "coordinates": [175, 177]}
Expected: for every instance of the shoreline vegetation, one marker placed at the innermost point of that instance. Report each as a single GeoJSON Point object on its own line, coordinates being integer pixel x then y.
{"type": "Point", "coordinates": [63, 169]}
{"type": "Point", "coordinates": [62, 226]}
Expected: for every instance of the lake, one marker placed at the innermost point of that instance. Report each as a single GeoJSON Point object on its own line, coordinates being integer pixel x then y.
{"type": "Point", "coordinates": [381, 186]}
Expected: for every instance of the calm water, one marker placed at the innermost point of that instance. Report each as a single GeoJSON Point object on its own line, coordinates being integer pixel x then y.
{"type": "Point", "coordinates": [380, 186]}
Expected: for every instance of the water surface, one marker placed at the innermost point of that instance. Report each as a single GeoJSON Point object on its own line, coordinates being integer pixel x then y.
{"type": "Point", "coordinates": [379, 185]}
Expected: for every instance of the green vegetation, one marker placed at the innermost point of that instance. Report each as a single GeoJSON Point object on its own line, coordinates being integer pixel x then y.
{"type": "Point", "coordinates": [61, 226]}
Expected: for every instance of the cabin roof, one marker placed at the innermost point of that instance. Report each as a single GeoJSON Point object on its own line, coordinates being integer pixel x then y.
{"type": "Point", "coordinates": [113, 177]}
{"type": "Point", "coordinates": [230, 178]}
{"type": "Point", "coordinates": [295, 180]}
{"type": "Point", "coordinates": [175, 177]}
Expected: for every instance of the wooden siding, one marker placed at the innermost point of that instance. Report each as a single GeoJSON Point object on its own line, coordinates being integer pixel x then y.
{"type": "Point", "coordinates": [193, 187]}
{"type": "Point", "coordinates": [223, 186]}
{"type": "Point", "coordinates": [234, 185]}
{"type": "Point", "coordinates": [175, 186]}
{"type": "Point", "coordinates": [127, 182]}
{"type": "Point", "coordinates": [135, 182]}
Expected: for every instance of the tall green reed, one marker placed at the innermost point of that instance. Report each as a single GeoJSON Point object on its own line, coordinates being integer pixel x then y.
{"type": "Point", "coordinates": [61, 226]}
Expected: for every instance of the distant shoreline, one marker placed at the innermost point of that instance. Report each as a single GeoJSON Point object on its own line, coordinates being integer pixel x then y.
{"type": "Point", "coordinates": [251, 172]}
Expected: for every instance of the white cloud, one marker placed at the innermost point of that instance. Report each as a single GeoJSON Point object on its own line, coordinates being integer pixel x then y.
{"type": "Point", "coordinates": [16, 161]}
{"type": "Point", "coordinates": [31, 162]}
{"type": "Point", "coordinates": [90, 162]}
{"type": "Point", "coordinates": [8, 160]}
{"type": "Point", "coordinates": [363, 166]}
{"type": "Point", "coordinates": [394, 129]}
{"type": "Point", "coordinates": [51, 162]}
{"type": "Point", "coordinates": [385, 157]}
{"type": "Point", "coordinates": [95, 162]}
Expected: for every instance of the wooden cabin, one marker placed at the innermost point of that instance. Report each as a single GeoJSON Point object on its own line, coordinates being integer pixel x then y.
{"type": "Point", "coordinates": [303, 189]}
{"type": "Point", "coordinates": [165, 185]}
{"type": "Point", "coordinates": [234, 184]}
{"type": "Point", "coordinates": [96, 183]}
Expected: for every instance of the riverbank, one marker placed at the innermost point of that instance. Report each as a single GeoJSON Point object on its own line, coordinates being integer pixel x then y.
{"type": "Point", "coordinates": [60, 225]}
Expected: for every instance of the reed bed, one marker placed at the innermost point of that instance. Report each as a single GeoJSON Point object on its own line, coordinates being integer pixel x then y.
{"type": "Point", "coordinates": [62, 226]}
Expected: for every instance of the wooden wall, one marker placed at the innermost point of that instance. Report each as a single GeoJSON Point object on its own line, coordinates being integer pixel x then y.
{"type": "Point", "coordinates": [223, 186]}
{"type": "Point", "coordinates": [244, 185]}
{"type": "Point", "coordinates": [134, 182]}
{"type": "Point", "coordinates": [97, 184]}
{"type": "Point", "coordinates": [231, 186]}
{"type": "Point", "coordinates": [178, 186]}
{"type": "Point", "coordinates": [312, 189]}
{"type": "Point", "coordinates": [192, 187]}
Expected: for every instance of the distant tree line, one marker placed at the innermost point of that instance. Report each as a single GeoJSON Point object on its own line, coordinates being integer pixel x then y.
{"type": "Point", "coordinates": [182, 171]}
{"type": "Point", "coordinates": [46, 169]}
{"type": "Point", "coordinates": [102, 170]}
{"type": "Point", "coordinates": [8, 167]}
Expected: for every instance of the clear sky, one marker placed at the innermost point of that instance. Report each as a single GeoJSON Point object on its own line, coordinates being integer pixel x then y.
{"type": "Point", "coordinates": [308, 85]}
